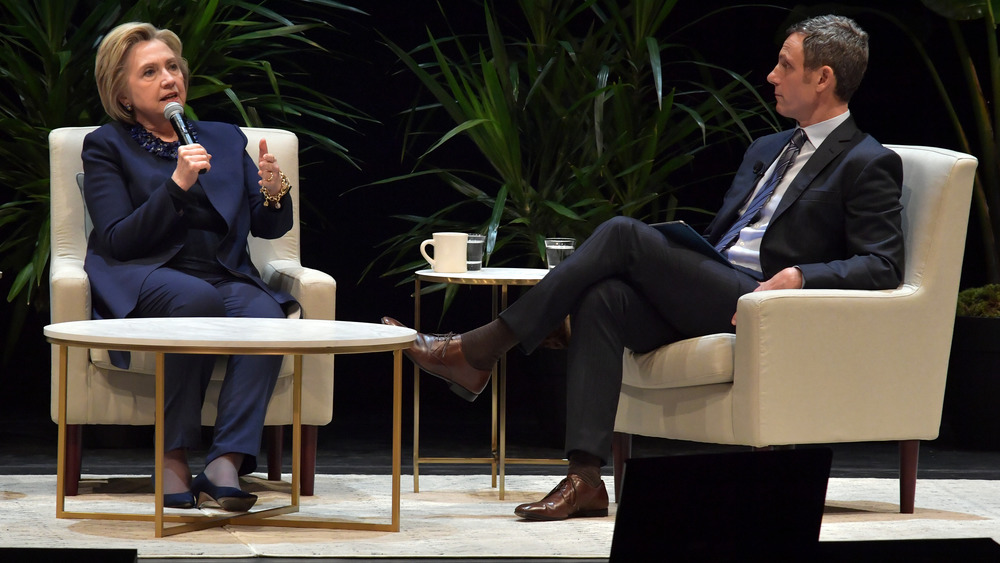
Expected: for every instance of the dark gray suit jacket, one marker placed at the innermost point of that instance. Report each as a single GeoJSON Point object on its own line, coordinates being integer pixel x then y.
{"type": "Point", "coordinates": [839, 222]}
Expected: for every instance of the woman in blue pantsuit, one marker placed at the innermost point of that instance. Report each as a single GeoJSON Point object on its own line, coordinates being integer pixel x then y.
{"type": "Point", "coordinates": [171, 222]}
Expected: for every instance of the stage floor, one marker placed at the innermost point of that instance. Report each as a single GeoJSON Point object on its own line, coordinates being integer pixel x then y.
{"type": "Point", "coordinates": [352, 445]}
{"type": "Point", "coordinates": [357, 443]}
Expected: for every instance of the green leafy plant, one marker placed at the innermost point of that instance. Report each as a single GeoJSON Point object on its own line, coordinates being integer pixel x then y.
{"type": "Point", "coordinates": [245, 61]}
{"type": "Point", "coordinates": [586, 111]}
{"type": "Point", "coordinates": [971, 105]}
{"type": "Point", "coordinates": [981, 301]}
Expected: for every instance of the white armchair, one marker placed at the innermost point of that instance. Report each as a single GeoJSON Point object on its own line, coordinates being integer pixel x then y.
{"type": "Point", "coordinates": [823, 366]}
{"type": "Point", "coordinates": [100, 393]}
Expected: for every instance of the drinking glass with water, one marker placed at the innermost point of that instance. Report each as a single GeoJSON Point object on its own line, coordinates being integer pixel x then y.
{"type": "Point", "coordinates": [475, 252]}
{"type": "Point", "coordinates": [557, 249]}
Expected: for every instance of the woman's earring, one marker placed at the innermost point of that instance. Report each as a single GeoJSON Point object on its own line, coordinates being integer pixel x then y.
{"type": "Point", "coordinates": [128, 106]}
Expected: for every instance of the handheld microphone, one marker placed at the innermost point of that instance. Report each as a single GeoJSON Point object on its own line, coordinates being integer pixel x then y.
{"type": "Point", "coordinates": [174, 113]}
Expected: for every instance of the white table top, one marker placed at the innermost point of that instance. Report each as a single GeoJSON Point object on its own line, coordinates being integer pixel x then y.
{"type": "Point", "coordinates": [232, 335]}
{"type": "Point", "coordinates": [487, 276]}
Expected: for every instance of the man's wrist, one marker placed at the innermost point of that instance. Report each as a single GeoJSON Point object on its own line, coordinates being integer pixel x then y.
{"type": "Point", "coordinates": [802, 277]}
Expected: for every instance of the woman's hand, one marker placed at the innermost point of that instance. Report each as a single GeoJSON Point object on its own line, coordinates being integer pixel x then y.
{"type": "Point", "coordinates": [268, 170]}
{"type": "Point", "coordinates": [191, 159]}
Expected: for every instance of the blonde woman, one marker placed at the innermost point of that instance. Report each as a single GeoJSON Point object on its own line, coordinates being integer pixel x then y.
{"type": "Point", "coordinates": [170, 228]}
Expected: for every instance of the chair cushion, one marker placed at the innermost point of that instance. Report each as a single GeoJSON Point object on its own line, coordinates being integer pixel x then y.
{"type": "Point", "coordinates": [696, 361]}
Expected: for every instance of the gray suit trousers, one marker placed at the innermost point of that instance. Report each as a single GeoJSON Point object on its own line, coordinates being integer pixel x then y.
{"type": "Point", "coordinates": [627, 286]}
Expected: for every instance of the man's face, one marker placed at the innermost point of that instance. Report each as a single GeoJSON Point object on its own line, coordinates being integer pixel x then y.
{"type": "Point", "coordinates": [794, 86]}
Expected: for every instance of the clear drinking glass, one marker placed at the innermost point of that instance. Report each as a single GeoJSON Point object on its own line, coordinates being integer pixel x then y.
{"type": "Point", "coordinates": [557, 249]}
{"type": "Point", "coordinates": [474, 259]}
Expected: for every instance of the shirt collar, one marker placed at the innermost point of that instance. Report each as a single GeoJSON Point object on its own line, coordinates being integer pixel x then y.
{"type": "Point", "coordinates": [818, 132]}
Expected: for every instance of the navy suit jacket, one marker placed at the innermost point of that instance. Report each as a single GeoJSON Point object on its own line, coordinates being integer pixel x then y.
{"type": "Point", "coordinates": [840, 220]}
{"type": "Point", "coordinates": [137, 227]}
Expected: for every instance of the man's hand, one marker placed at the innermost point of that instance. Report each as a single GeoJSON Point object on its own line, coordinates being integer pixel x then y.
{"type": "Point", "coordinates": [789, 278]}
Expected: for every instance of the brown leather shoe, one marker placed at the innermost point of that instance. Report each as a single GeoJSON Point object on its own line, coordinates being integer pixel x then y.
{"type": "Point", "coordinates": [572, 498]}
{"type": "Point", "coordinates": [441, 356]}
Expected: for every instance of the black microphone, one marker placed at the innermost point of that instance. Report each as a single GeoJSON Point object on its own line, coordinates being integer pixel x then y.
{"type": "Point", "coordinates": [174, 113]}
{"type": "Point", "coordinates": [758, 167]}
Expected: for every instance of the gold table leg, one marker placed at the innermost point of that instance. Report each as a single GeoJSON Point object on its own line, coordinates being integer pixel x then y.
{"type": "Point", "coordinates": [61, 452]}
{"type": "Point", "coordinates": [416, 392]}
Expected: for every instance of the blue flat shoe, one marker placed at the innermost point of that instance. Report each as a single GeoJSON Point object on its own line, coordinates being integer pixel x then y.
{"type": "Point", "coordinates": [179, 500]}
{"type": "Point", "coordinates": [183, 499]}
{"type": "Point", "coordinates": [231, 499]}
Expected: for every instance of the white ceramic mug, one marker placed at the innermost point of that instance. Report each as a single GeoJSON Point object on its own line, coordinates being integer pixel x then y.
{"type": "Point", "coordinates": [449, 252]}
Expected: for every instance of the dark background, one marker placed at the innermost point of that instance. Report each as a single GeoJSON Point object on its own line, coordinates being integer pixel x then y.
{"type": "Point", "coordinates": [344, 224]}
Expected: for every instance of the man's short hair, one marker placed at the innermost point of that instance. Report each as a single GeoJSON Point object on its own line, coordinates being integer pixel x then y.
{"type": "Point", "coordinates": [837, 42]}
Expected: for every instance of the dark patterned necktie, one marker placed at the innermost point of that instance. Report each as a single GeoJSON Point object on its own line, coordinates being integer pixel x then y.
{"type": "Point", "coordinates": [785, 162]}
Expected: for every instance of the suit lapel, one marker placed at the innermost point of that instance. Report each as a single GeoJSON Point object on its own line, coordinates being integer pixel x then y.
{"type": "Point", "coordinates": [222, 200]}
{"type": "Point", "coordinates": [746, 181]}
{"type": "Point", "coordinates": [225, 201]}
{"type": "Point", "coordinates": [842, 138]}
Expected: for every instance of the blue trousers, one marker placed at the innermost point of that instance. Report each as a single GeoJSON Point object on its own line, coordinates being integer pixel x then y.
{"type": "Point", "coordinates": [249, 380]}
{"type": "Point", "coordinates": [626, 286]}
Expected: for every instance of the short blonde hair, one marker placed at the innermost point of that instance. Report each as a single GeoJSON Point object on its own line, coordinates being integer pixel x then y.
{"type": "Point", "coordinates": [110, 72]}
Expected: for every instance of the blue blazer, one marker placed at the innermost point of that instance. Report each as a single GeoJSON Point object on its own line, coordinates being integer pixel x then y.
{"type": "Point", "coordinates": [840, 221]}
{"type": "Point", "coordinates": [137, 228]}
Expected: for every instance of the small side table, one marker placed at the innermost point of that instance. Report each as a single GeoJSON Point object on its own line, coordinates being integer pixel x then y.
{"type": "Point", "coordinates": [497, 279]}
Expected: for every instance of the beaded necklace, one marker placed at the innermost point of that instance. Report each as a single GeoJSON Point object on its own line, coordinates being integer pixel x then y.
{"type": "Point", "coordinates": [156, 146]}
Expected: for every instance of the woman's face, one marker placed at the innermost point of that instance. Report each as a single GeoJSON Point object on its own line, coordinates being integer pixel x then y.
{"type": "Point", "coordinates": [154, 80]}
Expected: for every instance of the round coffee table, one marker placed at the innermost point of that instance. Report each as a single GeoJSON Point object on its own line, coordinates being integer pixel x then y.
{"type": "Point", "coordinates": [228, 335]}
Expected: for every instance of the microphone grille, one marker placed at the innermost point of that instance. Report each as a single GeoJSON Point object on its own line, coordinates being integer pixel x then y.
{"type": "Point", "coordinates": [172, 109]}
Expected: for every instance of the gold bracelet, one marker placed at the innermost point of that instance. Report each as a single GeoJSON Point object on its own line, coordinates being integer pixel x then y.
{"type": "Point", "coordinates": [268, 198]}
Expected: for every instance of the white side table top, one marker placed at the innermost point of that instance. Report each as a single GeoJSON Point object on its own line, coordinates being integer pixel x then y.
{"type": "Point", "coordinates": [487, 276]}
{"type": "Point", "coordinates": [232, 334]}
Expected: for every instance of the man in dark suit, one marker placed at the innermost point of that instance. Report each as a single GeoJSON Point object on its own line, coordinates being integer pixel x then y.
{"type": "Point", "coordinates": [816, 207]}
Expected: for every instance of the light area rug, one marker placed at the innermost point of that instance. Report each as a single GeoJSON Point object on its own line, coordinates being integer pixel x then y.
{"type": "Point", "coordinates": [452, 516]}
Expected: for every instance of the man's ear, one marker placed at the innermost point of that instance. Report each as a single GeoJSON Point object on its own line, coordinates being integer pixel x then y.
{"type": "Point", "coordinates": [826, 78]}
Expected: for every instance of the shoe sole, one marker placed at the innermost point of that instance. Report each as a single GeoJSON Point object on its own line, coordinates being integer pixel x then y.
{"type": "Point", "coordinates": [183, 505]}
{"type": "Point", "coordinates": [229, 504]}
{"type": "Point", "coordinates": [461, 391]}
{"type": "Point", "coordinates": [455, 387]}
{"type": "Point", "coordinates": [599, 513]}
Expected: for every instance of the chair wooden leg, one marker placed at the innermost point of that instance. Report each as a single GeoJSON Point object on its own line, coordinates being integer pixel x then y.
{"type": "Point", "coordinates": [308, 469]}
{"type": "Point", "coordinates": [273, 435]}
{"type": "Point", "coordinates": [74, 457]}
{"type": "Point", "coordinates": [909, 452]}
{"type": "Point", "coordinates": [621, 450]}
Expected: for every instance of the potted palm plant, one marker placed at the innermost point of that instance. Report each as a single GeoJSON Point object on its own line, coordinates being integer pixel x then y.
{"type": "Point", "coordinates": [586, 111]}
{"type": "Point", "coordinates": [47, 48]}
{"type": "Point", "coordinates": [576, 111]}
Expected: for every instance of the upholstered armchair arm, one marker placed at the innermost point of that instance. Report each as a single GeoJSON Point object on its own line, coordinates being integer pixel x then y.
{"type": "Point", "coordinates": [69, 286]}
{"type": "Point", "coordinates": [315, 291]}
{"type": "Point", "coordinates": [69, 289]}
{"type": "Point", "coordinates": [843, 337]}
